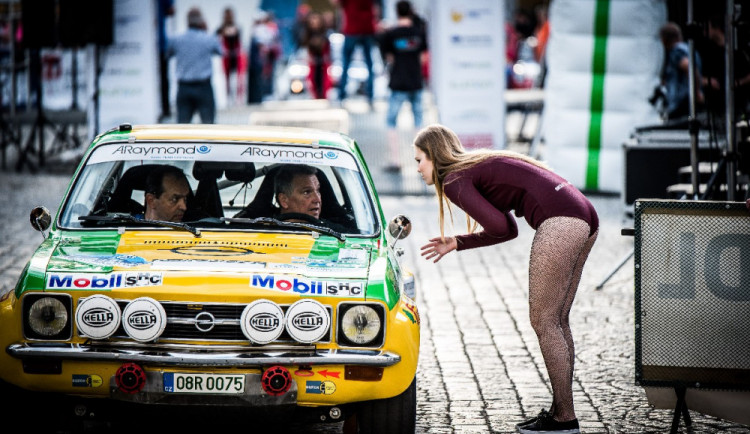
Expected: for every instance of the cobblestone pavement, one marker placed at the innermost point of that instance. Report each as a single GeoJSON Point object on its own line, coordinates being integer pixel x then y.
{"type": "Point", "coordinates": [480, 365]}
{"type": "Point", "coordinates": [480, 368]}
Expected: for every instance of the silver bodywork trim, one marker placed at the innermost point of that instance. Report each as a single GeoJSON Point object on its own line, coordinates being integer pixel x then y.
{"type": "Point", "coordinates": [201, 357]}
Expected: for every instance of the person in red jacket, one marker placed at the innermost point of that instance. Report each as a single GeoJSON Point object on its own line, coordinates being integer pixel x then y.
{"type": "Point", "coordinates": [229, 35]}
{"type": "Point", "coordinates": [358, 26]}
{"type": "Point", "coordinates": [488, 185]}
{"type": "Point", "coordinates": [315, 38]}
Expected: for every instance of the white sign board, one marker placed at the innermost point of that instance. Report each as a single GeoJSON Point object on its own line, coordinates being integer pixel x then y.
{"type": "Point", "coordinates": [59, 68]}
{"type": "Point", "coordinates": [467, 46]}
{"type": "Point", "coordinates": [129, 69]}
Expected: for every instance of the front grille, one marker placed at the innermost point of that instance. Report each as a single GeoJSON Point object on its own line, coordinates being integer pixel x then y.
{"type": "Point", "coordinates": [190, 310]}
{"type": "Point", "coordinates": [189, 331]}
{"type": "Point", "coordinates": [179, 316]}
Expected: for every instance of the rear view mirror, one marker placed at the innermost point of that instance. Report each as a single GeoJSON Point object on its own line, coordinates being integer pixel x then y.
{"type": "Point", "coordinates": [40, 219]}
{"type": "Point", "coordinates": [399, 227]}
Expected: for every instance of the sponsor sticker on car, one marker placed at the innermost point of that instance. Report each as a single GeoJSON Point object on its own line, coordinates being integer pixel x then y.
{"type": "Point", "coordinates": [224, 152]}
{"type": "Point", "coordinates": [320, 387]}
{"type": "Point", "coordinates": [102, 281]}
{"type": "Point", "coordinates": [82, 380]}
{"type": "Point", "coordinates": [303, 286]}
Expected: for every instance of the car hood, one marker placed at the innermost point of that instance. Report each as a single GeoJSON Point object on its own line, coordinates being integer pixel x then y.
{"type": "Point", "coordinates": [177, 253]}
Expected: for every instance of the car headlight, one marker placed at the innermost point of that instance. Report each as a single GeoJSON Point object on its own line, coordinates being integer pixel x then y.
{"type": "Point", "coordinates": [361, 324]}
{"type": "Point", "coordinates": [47, 316]}
{"type": "Point", "coordinates": [299, 70]}
{"type": "Point", "coordinates": [297, 86]}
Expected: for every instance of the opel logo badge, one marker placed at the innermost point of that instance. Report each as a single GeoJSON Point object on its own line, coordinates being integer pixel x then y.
{"type": "Point", "coordinates": [204, 322]}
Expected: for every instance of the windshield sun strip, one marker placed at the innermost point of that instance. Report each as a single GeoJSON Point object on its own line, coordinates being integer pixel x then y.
{"type": "Point", "coordinates": [373, 209]}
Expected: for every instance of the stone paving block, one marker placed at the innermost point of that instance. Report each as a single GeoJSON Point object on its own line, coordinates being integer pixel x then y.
{"type": "Point", "coordinates": [470, 428]}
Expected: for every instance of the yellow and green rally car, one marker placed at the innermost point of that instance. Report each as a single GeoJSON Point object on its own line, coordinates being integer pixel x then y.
{"type": "Point", "coordinates": [231, 301]}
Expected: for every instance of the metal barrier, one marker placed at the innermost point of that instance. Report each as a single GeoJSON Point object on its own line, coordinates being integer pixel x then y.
{"type": "Point", "coordinates": [366, 126]}
{"type": "Point", "coordinates": [36, 136]}
{"type": "Point", "coordinates": [330, 119]}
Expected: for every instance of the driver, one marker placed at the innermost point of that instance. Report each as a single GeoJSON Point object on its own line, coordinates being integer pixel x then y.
{"type": "Point", "coordinates": [167, 190]}
{"type": "Point", "coordinates": [297, 190]}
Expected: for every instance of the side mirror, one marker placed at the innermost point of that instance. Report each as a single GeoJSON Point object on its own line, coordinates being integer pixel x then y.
{"type": "Point", "coordinates": [40, 219]}
{"type": "Point", "coordinates": [399, 227]}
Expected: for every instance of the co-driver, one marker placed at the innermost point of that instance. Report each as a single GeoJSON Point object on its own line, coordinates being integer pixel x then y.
{"type": "Point", "coordinates": [167, 190]}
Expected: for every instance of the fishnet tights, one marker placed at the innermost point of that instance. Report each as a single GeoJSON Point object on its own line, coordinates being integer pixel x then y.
{"type": "Point", "coordinates": [558, 253]}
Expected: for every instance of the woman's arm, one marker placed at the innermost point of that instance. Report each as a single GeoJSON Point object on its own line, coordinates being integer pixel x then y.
{"type": "Point", "coordinates": [497, 226]}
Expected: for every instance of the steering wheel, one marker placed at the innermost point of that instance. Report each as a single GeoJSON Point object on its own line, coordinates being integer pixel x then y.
{"type": "Point", "coordinates": [300, 216]}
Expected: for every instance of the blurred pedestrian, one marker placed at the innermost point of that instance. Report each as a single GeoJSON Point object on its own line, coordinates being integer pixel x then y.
{"type": "Point", "coordinates": [229, 35]}
{"type": "Point", "coordinates": [318, 55]}
{"type": "Point", "coordinates": [541, 34]}
{"type": "Point", "coordinates": [511, 52]}
{"type": "Point", "coordinates": [675, 72]}
{"type": "Point", "coordinates": [265, 50]}
{"type": "Point", "coordinates": [193, 51]}
{"type": "Point", "coordinates": [404, 46]}
{"type": "Point", "coordinates": [487, 185]}
{"type": "Point", "coordinates": [329, 21]}
{"type": "Point", "coordinates": [713, 74]}
{"type": "Point", "coordinates": [299, 27]}
{"type": "Point", "coordinates": [358, 27]}
{"type": "Point", "coordinates": [165, 10]}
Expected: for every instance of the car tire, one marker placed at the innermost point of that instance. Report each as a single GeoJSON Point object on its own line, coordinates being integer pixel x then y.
{"type": "Point", "coordinates": [391, 415]}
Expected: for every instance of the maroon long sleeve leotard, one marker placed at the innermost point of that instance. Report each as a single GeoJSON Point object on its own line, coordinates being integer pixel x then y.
{"type": "Point", "coordinates": [490, 190]}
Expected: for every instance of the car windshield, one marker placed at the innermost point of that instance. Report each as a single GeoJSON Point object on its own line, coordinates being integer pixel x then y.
{"type": "Point", "coordinates": [231, 187]}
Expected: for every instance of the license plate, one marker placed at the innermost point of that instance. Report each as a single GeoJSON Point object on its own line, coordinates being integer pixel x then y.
{"type": "Point", "coordinates": [225, 384]}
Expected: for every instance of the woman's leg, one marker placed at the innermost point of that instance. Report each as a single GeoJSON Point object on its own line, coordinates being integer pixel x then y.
{"type": "Point", "coordinates": [565, 319]}
{"type": "Point", "coordinates": [559, 250]}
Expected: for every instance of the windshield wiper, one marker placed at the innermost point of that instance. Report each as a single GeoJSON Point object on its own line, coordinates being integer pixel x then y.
{"type": "Point", "coordinates": [118, 217]}
{"type": "Point", "coordinates": [276, 222]}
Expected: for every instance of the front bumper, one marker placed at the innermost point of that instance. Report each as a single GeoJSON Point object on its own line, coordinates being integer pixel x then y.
{"type": "Point", "coordinates": [183, 357]}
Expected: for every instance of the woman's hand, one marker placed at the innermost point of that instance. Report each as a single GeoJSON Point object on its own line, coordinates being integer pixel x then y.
{"type": "Point", "coordinates": [437, 248]}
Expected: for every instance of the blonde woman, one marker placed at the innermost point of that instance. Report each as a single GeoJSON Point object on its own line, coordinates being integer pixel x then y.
{"type": "Point", "coordinates": [488, 185]}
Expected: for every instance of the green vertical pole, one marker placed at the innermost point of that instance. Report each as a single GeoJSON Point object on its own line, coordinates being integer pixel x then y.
{"type": "Point", "coordinates": [599, 66]}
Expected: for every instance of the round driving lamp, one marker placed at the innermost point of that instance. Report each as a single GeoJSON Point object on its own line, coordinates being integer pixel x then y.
{"type": "Point", "coordinates": [361, 324]}
{"type": "Point", "coordinates": [48, 316]}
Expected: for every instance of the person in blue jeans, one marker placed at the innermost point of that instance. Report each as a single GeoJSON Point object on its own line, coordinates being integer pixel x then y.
{"type": "Point", "coordinates": [675, 72]}
{"type": "Point", "coordinates": [404, 47]}
{"type": "Point", "coordinates": [193, 51]}
{"type": "Point", "coordinates": [358, 27]}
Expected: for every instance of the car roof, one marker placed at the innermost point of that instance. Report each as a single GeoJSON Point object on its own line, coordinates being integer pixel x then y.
{"type": "Point", "coordinates": [228, 133]}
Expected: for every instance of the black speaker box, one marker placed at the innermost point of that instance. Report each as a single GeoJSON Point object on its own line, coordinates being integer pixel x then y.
{"type": "Point", "coordinates": [692, 294]}
{"type": "Point", "coordinates": [86, 22]}
{"type": "Point", "coordinates": [39, 21]}
{"type": "Point", "coordinates": [652, 161]}
{"type": "Point", "coordinates": [652, 167]}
